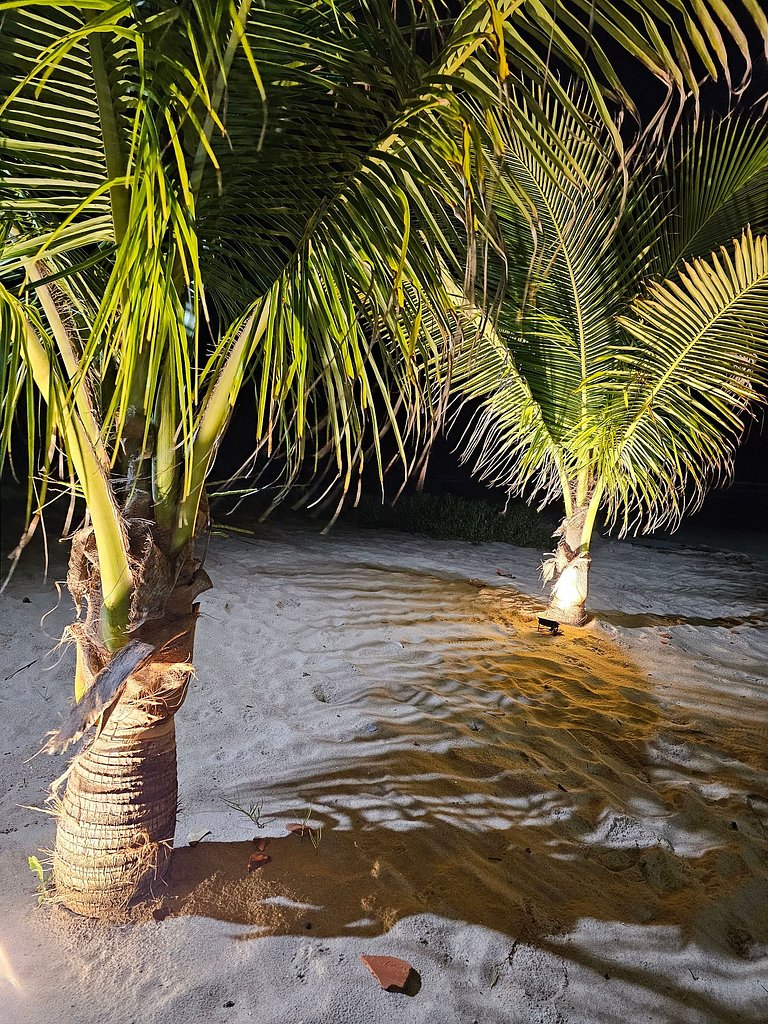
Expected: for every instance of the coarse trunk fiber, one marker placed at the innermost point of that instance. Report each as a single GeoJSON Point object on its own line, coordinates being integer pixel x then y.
{"type": "Point", "coordinates": [118, 815]}
{"type": "Point", "coordinates": [567, 603]}
{"type": "Point", "coordinates": [117, 818]}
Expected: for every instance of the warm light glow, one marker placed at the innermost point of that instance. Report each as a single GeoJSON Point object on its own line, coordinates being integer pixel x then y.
{"type": "Point", "coordinates": [7, 973]}
{"type": "Point", "coordinates": [569, 589]}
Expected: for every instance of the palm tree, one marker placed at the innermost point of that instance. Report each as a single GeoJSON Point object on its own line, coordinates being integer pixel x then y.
{"type": "Point", "coordinates": [199, 194]}
{"type": "Point", "coordinates": [629, 347]}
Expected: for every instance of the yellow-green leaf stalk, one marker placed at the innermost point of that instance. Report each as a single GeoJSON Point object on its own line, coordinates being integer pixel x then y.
{"type": "Point", "coordinates": [111, 541]}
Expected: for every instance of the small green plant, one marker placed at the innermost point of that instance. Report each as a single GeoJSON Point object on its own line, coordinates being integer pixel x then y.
{"type": "Point", "coordinates": [315, 834]}
{"type": "Point", "coordinates": [34, 865]}
{"type": "Point", "coordinates": [252, 811]}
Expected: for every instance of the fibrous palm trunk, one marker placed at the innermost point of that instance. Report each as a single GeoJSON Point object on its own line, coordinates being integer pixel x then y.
{"type": "Point", "coordinates": [117, 817]}
{"type": "Point", "coordinates": [569, 571]}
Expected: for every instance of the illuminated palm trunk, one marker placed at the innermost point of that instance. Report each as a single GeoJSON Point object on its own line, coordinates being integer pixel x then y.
{"type": "Point", "coordinates": [570, 579]}
{"type": "Point", "coordinates": [117, 817]}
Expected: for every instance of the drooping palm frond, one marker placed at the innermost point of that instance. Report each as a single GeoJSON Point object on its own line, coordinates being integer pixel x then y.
{"type": "Point", "coordinates": [345, 230]}
{"type": "Point", "coordinates": [98, 340]}
{"type": "Point", "coordinates": [680, 44]}
{"type": "Point", "coordinates": [699, 358]}
{"type": "Point", "coordinates": [139, 331]}
{"type": "Point", "coordinates": [506, 439]}
{"type": "Point", "coordinates": [557, 199]}
{"type": "Point", "coordinates": [711, 182]}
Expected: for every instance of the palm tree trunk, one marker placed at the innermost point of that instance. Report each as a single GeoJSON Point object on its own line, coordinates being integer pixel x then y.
{"type": "Point", "coordinates": [570, 586]}
{"type": "Point", "coordinates": [117, 818]}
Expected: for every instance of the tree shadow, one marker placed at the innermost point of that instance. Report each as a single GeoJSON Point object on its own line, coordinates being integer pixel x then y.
{"type": "Point", "coordinates": [515, 781]}
{"type": "Point", "coordinates": [642, 620]}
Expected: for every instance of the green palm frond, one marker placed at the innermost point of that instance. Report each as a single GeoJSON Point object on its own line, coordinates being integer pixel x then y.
{"type": "Point", "coordinates": [711, 181]}
{"type": "Point", "coordinates": [698, 364]}
{"type": "Point", "coordinates": [680, 44]}
{"type": "Point", "coordinates": [569, 177]}
{"type": "Point", "coordinates": [31, 353]}
{"type": "Point", "coordinates": [50, 176]}
{"type": "Point", "coordinates": [341, 258]}
{"type": "Point", "coordinates": [344, 235]}
{"type": "Point", "coordinates": [59, 170]}
{"type": "Point", "coordinates": [557, 197]}
{"type": "Point", "coordinates": [720, 184]}
{"type": "Point", "coordinates": [506, 437]}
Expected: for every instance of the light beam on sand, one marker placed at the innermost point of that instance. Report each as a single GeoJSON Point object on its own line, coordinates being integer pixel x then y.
{"type": "Point", "coordinates": [7, 973]}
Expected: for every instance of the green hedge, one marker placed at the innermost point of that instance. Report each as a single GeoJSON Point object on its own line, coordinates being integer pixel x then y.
{"type": "Point", "coordinates": [449, 517]}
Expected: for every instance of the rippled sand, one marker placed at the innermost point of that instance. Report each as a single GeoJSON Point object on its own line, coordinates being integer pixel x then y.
{"type": "Point", "coordinates": [550, 829]}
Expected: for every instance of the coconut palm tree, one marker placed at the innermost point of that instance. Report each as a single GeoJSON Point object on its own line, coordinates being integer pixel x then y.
{"type": "Point", "coordinates": [628, 349]}
{"type": "Point", "coordinates": [190, 198]}
{"type": "Point", "coordinates": [199, 194]}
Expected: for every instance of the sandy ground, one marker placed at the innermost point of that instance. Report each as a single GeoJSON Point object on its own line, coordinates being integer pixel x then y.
{"type": "Point", "coordinates": [567, 829]}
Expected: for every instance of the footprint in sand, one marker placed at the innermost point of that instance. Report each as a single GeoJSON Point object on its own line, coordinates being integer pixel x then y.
{"type": "Point", "coordinates": [543, 978]}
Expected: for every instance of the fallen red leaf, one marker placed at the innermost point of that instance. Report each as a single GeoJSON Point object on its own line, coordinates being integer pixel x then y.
{"type": "Point", "coordinates": [258, 860]}
{"type": "Point", "coordinates": [261, 844]}
{"type": "Point", "coordinates": [390, 971]}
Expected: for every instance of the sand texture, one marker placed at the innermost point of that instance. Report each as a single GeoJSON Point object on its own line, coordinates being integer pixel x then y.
{"type": "Point", "coordinates": [569, 829]}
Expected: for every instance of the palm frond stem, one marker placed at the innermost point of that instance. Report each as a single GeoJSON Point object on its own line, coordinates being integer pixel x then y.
{"type": "Point", "coordinates": [111, 540]}
{"type": "Point", "coordinates": [114, 149]}
{"type": "Point", "coordinates": [216, 409]}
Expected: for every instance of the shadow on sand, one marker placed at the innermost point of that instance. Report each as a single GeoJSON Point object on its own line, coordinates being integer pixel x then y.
{"type": "Point", "coordinates": [518, 782]}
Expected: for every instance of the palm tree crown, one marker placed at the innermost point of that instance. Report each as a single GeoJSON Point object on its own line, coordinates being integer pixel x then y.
{"type": "Point", "coordinates": [625, 356]}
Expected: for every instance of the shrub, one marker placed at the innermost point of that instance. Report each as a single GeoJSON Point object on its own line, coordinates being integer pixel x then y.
{"type": "Point", "coordinates": [449, 517]}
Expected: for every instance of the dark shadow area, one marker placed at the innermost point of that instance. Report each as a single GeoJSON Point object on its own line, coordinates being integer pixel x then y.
{"type": "Point", "coordinates": [514, 781]}
{"type": "Point", "coordinates": [640, 620]}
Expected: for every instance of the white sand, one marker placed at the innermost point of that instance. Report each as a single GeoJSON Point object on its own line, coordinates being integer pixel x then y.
{"type": "Point", "coordinates": [570, 829]}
